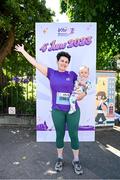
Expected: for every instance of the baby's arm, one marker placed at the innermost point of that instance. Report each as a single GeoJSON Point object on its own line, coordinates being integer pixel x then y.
{"type": "Point", "coordinates": [77, 87]}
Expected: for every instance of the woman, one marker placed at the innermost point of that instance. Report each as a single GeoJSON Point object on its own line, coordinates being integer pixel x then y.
{"type": "Point", "coordinates": [62, 84]}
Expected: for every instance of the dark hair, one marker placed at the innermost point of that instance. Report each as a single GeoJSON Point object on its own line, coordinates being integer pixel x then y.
{"type": "Point", "coordinates": [65, 54]}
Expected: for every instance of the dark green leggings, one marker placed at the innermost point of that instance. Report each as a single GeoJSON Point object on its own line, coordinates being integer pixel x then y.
{"type": "Point", "coordinates": [60, 119]}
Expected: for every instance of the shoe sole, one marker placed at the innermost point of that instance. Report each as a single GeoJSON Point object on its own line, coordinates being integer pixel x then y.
{"type": "Point", "coordinates": [59, 169]}
{"type": "Point", "coordinates": [79, 173]}
{"type": "Point", "coordinates": [76, 172]}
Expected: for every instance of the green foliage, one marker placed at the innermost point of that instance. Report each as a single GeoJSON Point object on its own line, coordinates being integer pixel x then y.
{"type": "Point", "coordinates": [118, 92]}
{"type": "Point", "coordinates": [13, 95]}
{"type": "Point", "coordinates": [107, 15]}
{"type": "Point", "coordinates": [16, 65]}
{"type": "Point", "coordinates": [19, 16]}
{"type": "Point", "coordinates": [22, 15]}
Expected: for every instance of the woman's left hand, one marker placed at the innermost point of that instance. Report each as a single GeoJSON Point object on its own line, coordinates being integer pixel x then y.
{"type": "Point", "coordinates": [81, 96]}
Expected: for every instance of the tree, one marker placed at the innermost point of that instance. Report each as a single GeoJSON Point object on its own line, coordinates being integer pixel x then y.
{"type": "Point", "coordinates": [17, 22]}
{"type": "Point", "coordinates": [17, 25]}
{"type": "Point", "coordinates": [107, 15]}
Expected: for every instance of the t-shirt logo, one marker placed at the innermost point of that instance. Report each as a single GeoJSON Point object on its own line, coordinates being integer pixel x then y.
{"type": "Point", "coordinates": [68, 79]}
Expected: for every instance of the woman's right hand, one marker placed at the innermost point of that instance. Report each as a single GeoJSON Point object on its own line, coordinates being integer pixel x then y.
{"type": "Point", "coordinates": [19, 48]}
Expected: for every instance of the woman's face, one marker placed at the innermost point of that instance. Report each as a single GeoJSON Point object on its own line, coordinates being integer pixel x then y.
{"type": "Point", "coordinates": [63, 63]}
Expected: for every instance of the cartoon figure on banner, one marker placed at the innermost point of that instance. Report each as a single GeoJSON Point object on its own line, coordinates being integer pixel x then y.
{"type": "Point", "coordinates": [82, 84]}
{"type": "Point", "coordinates": [111, 110]}
{"type": "Point", "coordinates": [43, 125]}
{"type": "Point", "coordinates": [101, 107]}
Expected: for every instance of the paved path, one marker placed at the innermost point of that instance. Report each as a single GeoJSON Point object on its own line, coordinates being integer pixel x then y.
{"type": "Point", "coordinates": [22, 158]}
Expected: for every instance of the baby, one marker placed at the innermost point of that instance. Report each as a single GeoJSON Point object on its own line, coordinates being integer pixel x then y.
{"type": "Point", "coordinates": [82, 84]}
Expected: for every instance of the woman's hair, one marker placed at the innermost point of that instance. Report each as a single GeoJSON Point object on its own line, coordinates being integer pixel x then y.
{"type": "Point", "coordinates": [65, 54]}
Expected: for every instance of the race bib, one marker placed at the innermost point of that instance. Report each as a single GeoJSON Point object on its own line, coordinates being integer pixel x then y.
{"type": "Point", "coordinates": [62, 98]}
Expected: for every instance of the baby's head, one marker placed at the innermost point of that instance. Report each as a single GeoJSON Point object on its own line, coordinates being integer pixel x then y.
{"type": "Point", "coordinates": [84, 72]}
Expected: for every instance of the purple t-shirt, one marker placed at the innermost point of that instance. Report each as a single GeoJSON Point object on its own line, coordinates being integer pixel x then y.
{"type": "Point", "coordinates": [62, 84]}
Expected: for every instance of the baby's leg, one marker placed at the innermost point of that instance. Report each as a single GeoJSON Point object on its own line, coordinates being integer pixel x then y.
{"type": "Point", "coordinates": [72, 103]}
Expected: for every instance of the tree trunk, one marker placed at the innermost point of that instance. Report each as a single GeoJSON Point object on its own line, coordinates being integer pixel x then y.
{"type": "Point", "coordinates": [4, 51]}
{"type": "Point", "coordinates": [7, 46]}
{"type": "Point", "coordinates": [3, 79]}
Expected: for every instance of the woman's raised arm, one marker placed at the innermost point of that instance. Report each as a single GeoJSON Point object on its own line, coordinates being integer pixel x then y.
{"type": "Point", "coordinates": [32, 60]}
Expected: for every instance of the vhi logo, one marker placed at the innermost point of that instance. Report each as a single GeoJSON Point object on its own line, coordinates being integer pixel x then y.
{"type": "Point", "coordinates": [65, 31]}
